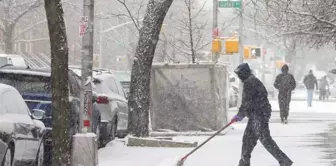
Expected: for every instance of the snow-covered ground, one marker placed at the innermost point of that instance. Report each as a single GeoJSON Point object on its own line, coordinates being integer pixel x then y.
{"type": "Point", "coordinates": [297, 139]}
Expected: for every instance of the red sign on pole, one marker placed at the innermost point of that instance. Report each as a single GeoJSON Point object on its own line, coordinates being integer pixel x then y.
{"type": "Point", "coordinates": [83, 25]}
{"type": "Point", "coordinates": [215, 33]}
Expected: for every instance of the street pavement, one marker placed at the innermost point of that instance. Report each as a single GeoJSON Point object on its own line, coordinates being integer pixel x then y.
{"type": "Point", "coordinates": [308, 140]}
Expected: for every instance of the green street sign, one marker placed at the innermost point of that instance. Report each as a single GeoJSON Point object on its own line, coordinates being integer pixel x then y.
{"type": "Point", "coordinates": [229, 4]}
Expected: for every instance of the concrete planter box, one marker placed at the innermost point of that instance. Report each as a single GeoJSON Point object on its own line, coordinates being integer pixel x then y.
{"type": "Point", "coordinates": [189, 97]}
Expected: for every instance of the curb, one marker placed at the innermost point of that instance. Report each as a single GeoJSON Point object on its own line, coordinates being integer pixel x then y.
{"type": "Point", "coordinates": [152, 142]}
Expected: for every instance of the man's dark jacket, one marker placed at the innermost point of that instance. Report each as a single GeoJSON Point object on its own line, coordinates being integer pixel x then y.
{"type": "Point", "coordinates": [285, 81]}
{"type": "Point", "coordinates": [309, 81]}
{"type": "Point", "coordinates": [255, 103]}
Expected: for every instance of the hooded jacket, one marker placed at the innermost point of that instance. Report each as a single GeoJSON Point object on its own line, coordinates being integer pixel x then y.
{"type": "Point", "coordinates": [255, 103]}
{"type": "Point", "coordinates": [310, 81]}
{"type": "Point", "coordinates": [285, 81]}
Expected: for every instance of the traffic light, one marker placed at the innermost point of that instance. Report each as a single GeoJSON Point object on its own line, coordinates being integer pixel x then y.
{"type": "Point", "coordinates": [232, 46]}
{"type": "Point", "coordinates": [216, 46]}
{"type": "Point", "coordinates": [255, 52]}
{"type": "Point", "coordinates": [246, 52]}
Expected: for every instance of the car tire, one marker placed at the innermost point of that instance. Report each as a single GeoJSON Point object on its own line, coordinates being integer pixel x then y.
{"type": "Point", "coordinates": [113, 132]}
{"type": "Point", "coordinates": [97, 132]}
{"type": "Point", "coordinates": [40, 156]}
{"type": "Point", "coordinates": [8, 158]}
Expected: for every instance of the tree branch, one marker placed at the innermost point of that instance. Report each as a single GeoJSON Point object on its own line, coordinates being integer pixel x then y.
{"type": "Point", "coordinates": [130, 14]}
{"type": "Point", "coordinates": [36, 4]}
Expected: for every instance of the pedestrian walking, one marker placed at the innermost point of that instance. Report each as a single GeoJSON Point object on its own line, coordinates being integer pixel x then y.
{"type": "Point", "coordinates": [285, 83]}
{"type": "Point", "coordinates": [323, 88]}
{"type": "Point", "coordinates": [310, 82]}
{"type": "Point", "coordinates": [256, 107]}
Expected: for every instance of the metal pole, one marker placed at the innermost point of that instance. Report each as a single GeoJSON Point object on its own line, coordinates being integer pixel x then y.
{"type": "Point", "coordinates": [87, 59]}
{"type": "Point", "coordinates": [101, 44]}
{"type": "Point", "coordinates": [215, 26]}
{"type": "Point", "coordinates": [84, 146]}
{"type": "Point", "coordinates": [241, 49]}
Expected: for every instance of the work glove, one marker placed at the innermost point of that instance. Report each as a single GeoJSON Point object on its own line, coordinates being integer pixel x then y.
{"type": "Point", "coordinates": [237, 118]}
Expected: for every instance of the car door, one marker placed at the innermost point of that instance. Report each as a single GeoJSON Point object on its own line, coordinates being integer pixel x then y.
{"type": "Point", "coordinates": [21, 127]}
{"type": "Point", "coordinates": [116, 99]}
{"type": "Point", "coordinates": [6, 129]}
{"type": "Point", "coordinates": [123, 107]}
{"type": "Point", "coordinates": [33, 135]}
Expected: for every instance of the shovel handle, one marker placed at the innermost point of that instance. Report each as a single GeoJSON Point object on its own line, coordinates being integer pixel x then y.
{"type": "Point", "coordinates": [206, 141]}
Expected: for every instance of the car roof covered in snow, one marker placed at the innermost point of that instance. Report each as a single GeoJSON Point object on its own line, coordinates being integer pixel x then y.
{"type": "Point", "coordinates": [99, 75]}
{"type": "Point", "coordinates": [22, 70]}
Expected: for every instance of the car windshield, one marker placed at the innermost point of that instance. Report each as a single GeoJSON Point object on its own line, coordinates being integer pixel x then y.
{"type": "Point", "coordinates": [122, 76]}
{"type": "Point", "coordinates": [27, 83]}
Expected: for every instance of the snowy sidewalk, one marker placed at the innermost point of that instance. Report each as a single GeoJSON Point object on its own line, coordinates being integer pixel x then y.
{"type": "Point", "coordinates": [299, 139]}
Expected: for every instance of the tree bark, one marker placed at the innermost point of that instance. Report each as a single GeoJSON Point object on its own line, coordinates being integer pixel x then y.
{"type": "Point", "coordinates": [59, 76]}
{"type": "Point", "coordinates": [193, 60]}
{"type": "Point", "coordinates": [140, 80]}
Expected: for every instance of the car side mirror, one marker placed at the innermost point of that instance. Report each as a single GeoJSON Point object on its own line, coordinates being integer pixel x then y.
{"type": "Point", "coordinates": [38, 114]}
{"type": "Point", "coordinates": [232, 79]}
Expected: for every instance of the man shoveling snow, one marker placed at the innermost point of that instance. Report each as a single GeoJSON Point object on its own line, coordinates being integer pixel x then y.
{"type": "Point", "coordinates": [256, 107]}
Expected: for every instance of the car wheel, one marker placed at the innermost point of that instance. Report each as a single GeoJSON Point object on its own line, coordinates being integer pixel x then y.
{"type": "Point", "coordinates": [40, 156]}
{"type": "Point", "coordinates": [98, 135]}
{"type": "Point", "coordinates": [113, 130]}
{"type": "Point", "coordinates": [7, 161]}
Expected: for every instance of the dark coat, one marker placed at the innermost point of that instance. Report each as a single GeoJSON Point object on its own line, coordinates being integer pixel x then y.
{"type": "Point", "coordinates": [285, 81]}
{"type": "Point", "coordinates": [310, 81]}
{"type": "Point", "coordinates": [255, 102]}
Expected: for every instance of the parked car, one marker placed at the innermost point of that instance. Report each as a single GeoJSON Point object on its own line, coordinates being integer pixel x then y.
{"type": "Point", "coordinates": [13, 60]}
{"type": "Point", "coordinates": [112, 103]}
{"type": "Point", "coordinates": [125, 79]}
{"type": "Point", "coordinates": [22, 135]}
{"type": "Point", "coordinates": [35, 87]}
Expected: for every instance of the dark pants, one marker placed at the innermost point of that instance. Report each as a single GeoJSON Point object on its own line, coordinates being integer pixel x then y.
{"type": "Point", "coordinates": [258, 129]}
{"type": "Point", "coordinates": [323, 94]}
{"type": "Point", "coordinates": [284, 99]}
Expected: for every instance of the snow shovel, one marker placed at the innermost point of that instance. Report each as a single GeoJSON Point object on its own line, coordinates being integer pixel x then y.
{"type": "Point", "coordinates": [181, 161]}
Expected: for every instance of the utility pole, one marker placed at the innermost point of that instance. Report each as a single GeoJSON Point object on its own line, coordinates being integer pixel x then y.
{"type": "Point", "coordinates": [87, 64]}
{"type": "Point", "coordinates": [215, 31]}
{"type": "Point", "coordinates": [85, 145]}
{"type": "Point", "coordinates": [241, 48]}
{"type": "Point", "coordinates": [100, 44]}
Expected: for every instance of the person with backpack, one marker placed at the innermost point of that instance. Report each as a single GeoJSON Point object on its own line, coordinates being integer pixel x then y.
{"type": "Point", "coordinates": [285, 83]}
{"type": "Point", "coordinates": [324, 88]}
{"type": "Point", "coordinates": [310, 82]}
{"type": "Point", "coordinates": [255, 105]}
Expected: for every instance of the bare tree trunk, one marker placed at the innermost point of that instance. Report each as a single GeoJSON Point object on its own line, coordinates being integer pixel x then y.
{"type": "Point", "coordinates": [191, 33]}
{"type": "Point", "coordinates": [140, 79]}
{"type": "Point", "coordinates": [59, 76]}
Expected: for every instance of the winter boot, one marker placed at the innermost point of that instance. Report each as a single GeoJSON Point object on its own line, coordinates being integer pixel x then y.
{"type": "Point", "coordinates": [282, 120]}
{"type": "Point", "coordinates": [286, 163]}
{"type": "Point", "coordinates": [286, 121]}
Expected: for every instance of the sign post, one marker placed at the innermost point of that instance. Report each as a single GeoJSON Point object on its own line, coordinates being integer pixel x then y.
{"type": "Point", "coordinates": [84, 147]}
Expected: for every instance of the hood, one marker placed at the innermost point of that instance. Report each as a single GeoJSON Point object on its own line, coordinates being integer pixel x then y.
{"type": "Point", "coordinates": [243, 71]}
{"type": "Point", "coordinates": [284, 69]}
